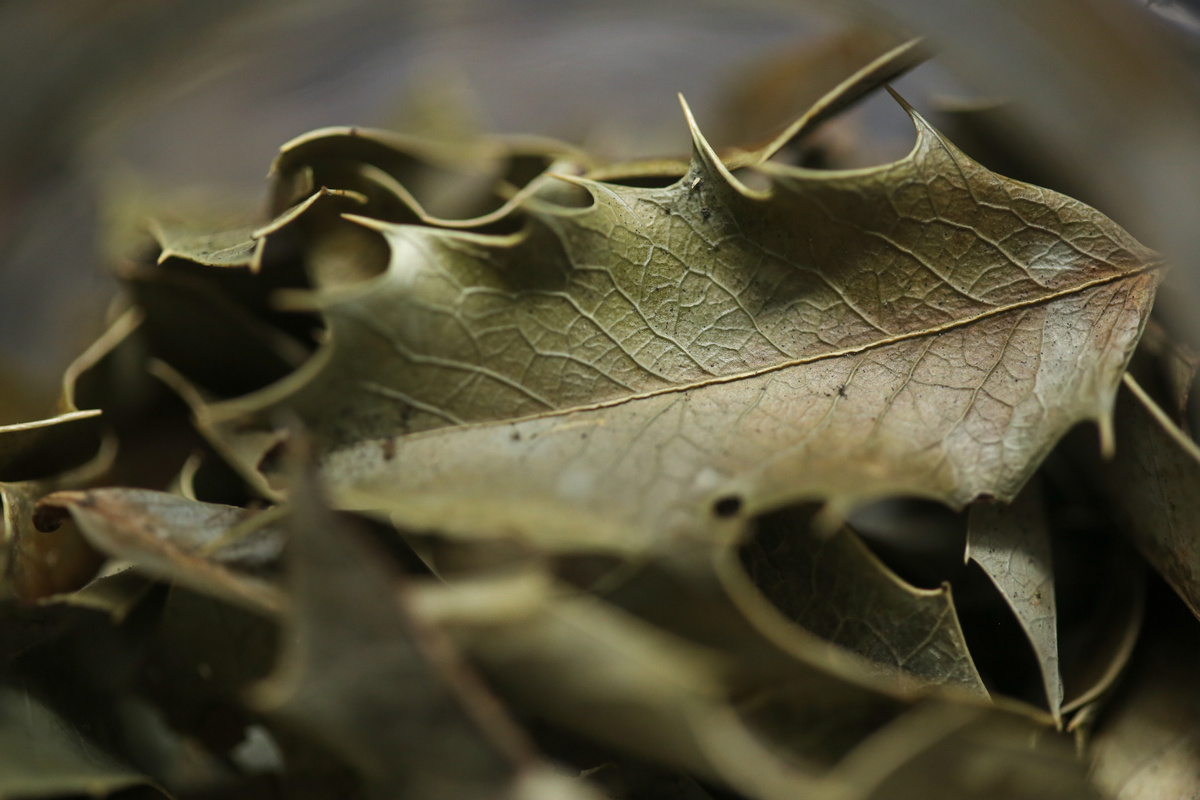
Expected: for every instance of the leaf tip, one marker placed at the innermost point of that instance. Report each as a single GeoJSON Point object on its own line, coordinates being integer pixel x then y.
{"type": "Point", "coordinates": [367, 222]}
{"type": "Point", "coordinates": [1108, 436]}
{"type": "Point", "coordinates": [896, 96]}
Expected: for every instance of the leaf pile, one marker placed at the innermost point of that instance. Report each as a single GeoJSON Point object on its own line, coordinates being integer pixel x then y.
{"type": "Point", "coordinates": [485, 470]}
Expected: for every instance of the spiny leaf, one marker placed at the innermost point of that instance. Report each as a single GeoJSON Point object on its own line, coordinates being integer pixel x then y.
{"type": "Point", "coordinates": [461, 182]}
{"type": "Point", "coordinates": [1012, 545]}
{"type": "Point", "coordinates": [586, 666]}
{"type": "Point", "coordinates": [226, 248]}
{"type": "Point", "coordinates": [43, 755]}
{"type": "Point", "coordinates": [173, 539]}
{"type": "Point", "coordinates": [835, 587]}
{"type": "Point", "coordinates": [389, 694]}
{"type": "Point", "coordinates": [1153, 482]}
{"type": "Point", "coordinates": [577, 411]}
{"type": "Point", "coordinates": [922, 328]}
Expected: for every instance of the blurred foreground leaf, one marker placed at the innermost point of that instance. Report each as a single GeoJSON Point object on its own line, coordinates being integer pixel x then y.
{"type": "Point", "coordinates": [46, 756]}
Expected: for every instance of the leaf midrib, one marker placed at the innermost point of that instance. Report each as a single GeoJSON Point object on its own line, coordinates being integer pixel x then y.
{"type": "Point", "coordinates": [795, 362]}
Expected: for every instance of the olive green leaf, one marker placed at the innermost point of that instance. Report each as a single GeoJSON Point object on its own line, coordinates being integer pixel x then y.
{"type": "Point", "coordinates": [1166, 369]}
{"type": "Point", "coordinates": [225, 248]}
{"type": "Point", "coordinates": [574, 661]}
{"type": "Point", "coordinates": [1012, 545]}
{"type": "Point", "coordinates": [1148, 742]}
{"type": "Point", "coordinates": [116, 591]}
{"type": "Point", "coordinates": [586, 666]}
{"type": "Point", "coordinates": [942, 750]}
{"type": "Point", "coordinates": [171, 538]}
{"type": "Point", "coordinates": [835, 587]}
{"type": "Point", "coordinates": [360, 672]}
{"type": "Point", "coordinates": [44, 755]}
{"type": "Point", "coordinates": [1153, 481]}
{"type": "Point", "coordinates": [666, 355]}
{"type": "Point", "coordinates": [410, 179]}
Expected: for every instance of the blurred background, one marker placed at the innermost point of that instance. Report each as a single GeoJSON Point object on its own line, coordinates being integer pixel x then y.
{"type": "Point", "coordinates": [119, 109]}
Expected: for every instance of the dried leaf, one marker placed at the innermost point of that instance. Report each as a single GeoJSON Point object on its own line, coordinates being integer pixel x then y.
{"type": "Point", "coordinates": [965, 753]}
{"type": "Point", "coordinates": [834, 587]}
{"type": "Point", "coordinates": [359, 672]}
{"type": "Point", "coordinates": [226, 248]}
{"type": "Point", "coordinates": [115, 592]}
{"type": "Point", "coordinates": [586, 666]}
{"type": "Point", "coordinates": [67, 451]}
{"type": "Point", "coordinates": [667, 355]}
{"type": "Point", "coordinates": [174, 539]}
{"type": "Point", "coordinates": [764, 97]}
{"type": "Point", "coordinates": [409, 179]}
{"type": "Point", "coordinates": [1012, 545]}
{"type": "Point", "coordinates": [1153, 482]}
{"type": "Point", "coordinates": [621, 414]}
{"type": "Point", "coordinates": [44, 755]}
{"type": "Point", "coordinates": [1148, 743]}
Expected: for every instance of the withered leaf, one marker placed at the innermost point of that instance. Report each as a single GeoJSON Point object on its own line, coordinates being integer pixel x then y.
{"type": "Point", "coordinates": [172, 538]}
{"type": "Point", "coordinates": [586, 666]}
{"type": "Point", "coordinates": [410, 179]}
{"type": "Point", "coordinates": [611, 377]}
{"type": "Point", "coordinates": [835, 587]}
{"type": "Point", "coordinates": [1153, 481]}
{"type": "Point", "coordinates": [1166, 369]}
{"type": "Point", "coordinates": [965, 753]}
{"type": "Point", "coordinates": [1148, 744]}
{"type": "Point", "coordinates": [1012, 545]}
{"type": "Point", "coordinates": [226, 248]}
{"type": "Point", "coordinates": [36, 458]}
{"type": "Point", "coordinates": [44, 755]}
{"type": "Point", "coordinates": [381, 688]}
{"type": "Point", "coordinates": [664, 356]}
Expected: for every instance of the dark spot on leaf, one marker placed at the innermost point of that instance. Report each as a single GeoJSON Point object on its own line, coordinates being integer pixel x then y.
{"type": "Point", "coordinates": [727, 506]}
{"type": "Point", "coordinates": [273, 458]}
{"type": "Point", "coordinates": [706, 212]}
{"type": "Point", "coordinates": [515, 435]}
{"type": "Point", "coordinates": [388, 449]}
{"type": "Point", "coordinates": [47, 518]}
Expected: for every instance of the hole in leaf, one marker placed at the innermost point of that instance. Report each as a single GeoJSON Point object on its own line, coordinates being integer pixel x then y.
{"type": "Point", "coordinates": [727, 506]}
{"type": "Point", "coordinates": [919, 540]}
